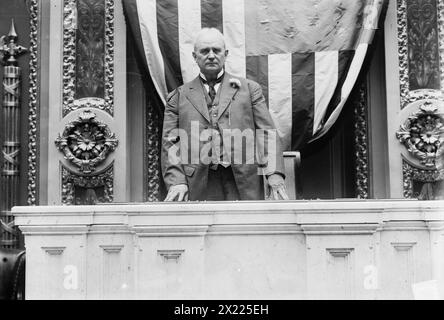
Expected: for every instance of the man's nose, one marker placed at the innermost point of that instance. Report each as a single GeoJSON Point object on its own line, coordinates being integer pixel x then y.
{"type": "Point", "coordinates": [211, 55]}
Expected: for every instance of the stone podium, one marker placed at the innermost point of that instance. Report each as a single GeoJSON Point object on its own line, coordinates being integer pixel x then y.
{"type": "Point", "coordinates": [356, 249]}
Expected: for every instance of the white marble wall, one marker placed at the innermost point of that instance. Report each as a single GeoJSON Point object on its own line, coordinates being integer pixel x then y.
{"type": "Point", "coordinates": [237, 250]}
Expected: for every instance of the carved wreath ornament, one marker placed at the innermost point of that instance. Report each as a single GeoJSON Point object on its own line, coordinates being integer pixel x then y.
{"type": "Point", "coordinates": [423, 134]}
{"type": "Point", "coordinates": [86, 142]}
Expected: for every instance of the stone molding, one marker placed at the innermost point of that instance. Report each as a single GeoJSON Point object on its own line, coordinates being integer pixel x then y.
{"type": "Point", "coordinates": [191, 219]}
{"type": "Point", "coordinates": [168, 255]}
{"type": "Point", "coordinates": [54, 251]}
{"type": "Point", "coordinates": [112, 248]}
{"type": "Point", "coordinates": [262, 250]}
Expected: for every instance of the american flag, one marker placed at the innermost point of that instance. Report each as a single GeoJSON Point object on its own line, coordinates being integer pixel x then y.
{"type": "Point", "coordinates": [306, 54]}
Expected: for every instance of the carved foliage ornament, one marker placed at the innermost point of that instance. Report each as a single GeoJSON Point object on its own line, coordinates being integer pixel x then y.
{"type": "Point", "coordinates": [33, 107]}
{"type": "Point", "coordinates": [423, 54]}
{"type": "Point", "coordinates": [361, 142]}
{"type": "Point", "coordinates": [422, 134]}
{"type": "Point", "coordinates": [152, 154]}
{"type": "Point", "coordinates": [88, 54]}
{"type": "Point", "coordinates": [71, 180]}
{"type": "Point", "coordinates": [420, 49]}
{"type": "Point", "coordinates": [412, 174]}
{"type": "Point", "coordinates": [86, 142]}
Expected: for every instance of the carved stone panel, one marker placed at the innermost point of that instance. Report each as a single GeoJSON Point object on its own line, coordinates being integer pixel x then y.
{"type": "Point", "coordinates": [423, 54]}
{"type": "Point", "coordinates": [420, 49]}
{"type": "Point", "coordinates": [90, 49]}
{"type": "Point", "coordinates": [88, 55]}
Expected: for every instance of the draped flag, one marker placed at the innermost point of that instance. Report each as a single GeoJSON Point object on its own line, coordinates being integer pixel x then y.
{"type": "Point", "coordinates": [306, 54]}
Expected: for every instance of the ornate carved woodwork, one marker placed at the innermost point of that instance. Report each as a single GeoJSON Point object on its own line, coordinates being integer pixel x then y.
{"type": "Point", "coordinates": [413, 49]}
{"type": "Point", "coordinates": [78, 189]}
{"type": "Point", "coordinates": [440, 17]}
{"type": "Point", "coordinates": [152, 157]}
{"type": "Point", "coordinates": [86, 142]}
{"type": "Point", "coordinates": [88, 54]}
{"type": "Point", "coordinates": [10, 174]}
{"type": "Point", "coordinates": [361, 143]}
{"type": "Point", "coordinates": [33, 107]}
{"type": "Point", "coordinates": [90, 49]}
{"type": "Point", "coordinates": [423, 55]}
{"type": "Point", "coordinates": [88, 84]}
{"type": "Point", "coordinates": [421, 52]}
{"type": "Point", "coordinates": [415, 182]}
{"type": "Point", "coordinates": [422, 136]}
{"type": "Point", "coordinates": [422, 133]}
{"type": "Point", "coordinates": [423, 164]}
{"type": "Point", "coordinates": [403, 51]}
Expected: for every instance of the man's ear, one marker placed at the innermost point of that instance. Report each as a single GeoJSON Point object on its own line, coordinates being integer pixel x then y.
{"type": "Point", "coordinates": [194, 55]}
{"type": "Point", "coordinates": [226, 53]}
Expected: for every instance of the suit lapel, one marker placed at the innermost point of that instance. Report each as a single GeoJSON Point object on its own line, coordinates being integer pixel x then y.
{"type": "Point", "coordinates": [226, 94]}
{"type": "Point", "coordinates": [196, 95]}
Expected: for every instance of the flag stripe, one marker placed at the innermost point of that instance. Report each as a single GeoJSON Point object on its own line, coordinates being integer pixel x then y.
{"type": "Point", "coordinates": [280, 95]}
{"type": "Point", "coordinates": [350, 79]}
{"type": "Point", "coordinates": [168, 38]}
{"type": "Point", "coordinates": [234, 31]}
{"type": "Point", "coordinates": [212, 14]}
{"type": "Point", "coordinates": [257, 70]}
{"type": "Point", "coordinates": [146, 10]}
{"type": "Point", "coordinates": [344, 61]}
{"type": "Point", "coordinates": [326, 78]}
{"type": "Point", "coordinates": [353, 70]}
{"type": "Point", "coordinates": [189, 26]}
{"type": "Point", "coordinates": [131, 10]}
{"type": "Point", "coordinates": [302, 66]}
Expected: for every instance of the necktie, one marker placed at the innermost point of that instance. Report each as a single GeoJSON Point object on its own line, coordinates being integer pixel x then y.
{"type": "Point", "coordinates": [211, 84]}
{"type": "Point", "coordinates": [211, 91]}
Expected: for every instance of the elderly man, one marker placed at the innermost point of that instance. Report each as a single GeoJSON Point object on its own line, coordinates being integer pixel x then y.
{"type": "Point", "coordinates": [204, 114]}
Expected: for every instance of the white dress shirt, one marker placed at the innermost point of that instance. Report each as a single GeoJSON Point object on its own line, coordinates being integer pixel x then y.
{"type": "Point", "coordinates": [217, 85]}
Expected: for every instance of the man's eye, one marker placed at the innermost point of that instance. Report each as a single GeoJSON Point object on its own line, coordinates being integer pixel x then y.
{"type": "Point", "coordinates": [204, 51]}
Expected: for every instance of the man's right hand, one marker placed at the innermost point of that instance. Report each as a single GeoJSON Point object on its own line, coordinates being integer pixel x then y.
{"type": "Point", "coordinates": [179, 191]}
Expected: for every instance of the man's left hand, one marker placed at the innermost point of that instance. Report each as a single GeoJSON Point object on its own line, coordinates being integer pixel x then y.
{"type": "Point", "coordinates": [276, 188]}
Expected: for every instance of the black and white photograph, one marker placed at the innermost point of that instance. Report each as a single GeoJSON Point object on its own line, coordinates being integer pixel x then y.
{"type": "Point", "coordinates": [220, 155]}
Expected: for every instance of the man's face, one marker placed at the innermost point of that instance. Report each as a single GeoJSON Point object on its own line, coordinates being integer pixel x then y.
{"type": "Point", "coordinates": [210, 54]}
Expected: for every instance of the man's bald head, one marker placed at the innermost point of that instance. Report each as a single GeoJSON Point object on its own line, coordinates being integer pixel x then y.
{"type": "Point", "coordinates": [206, 34]}
{"type": "Point", "coordinates": [209, 52]}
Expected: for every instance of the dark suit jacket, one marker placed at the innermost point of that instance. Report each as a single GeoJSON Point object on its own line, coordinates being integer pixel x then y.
{"type": "Point", "coordinates": [240, 107]}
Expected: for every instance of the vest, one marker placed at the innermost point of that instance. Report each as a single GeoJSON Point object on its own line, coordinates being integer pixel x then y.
{"type": "Point", "coordinates": [216, 138]}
